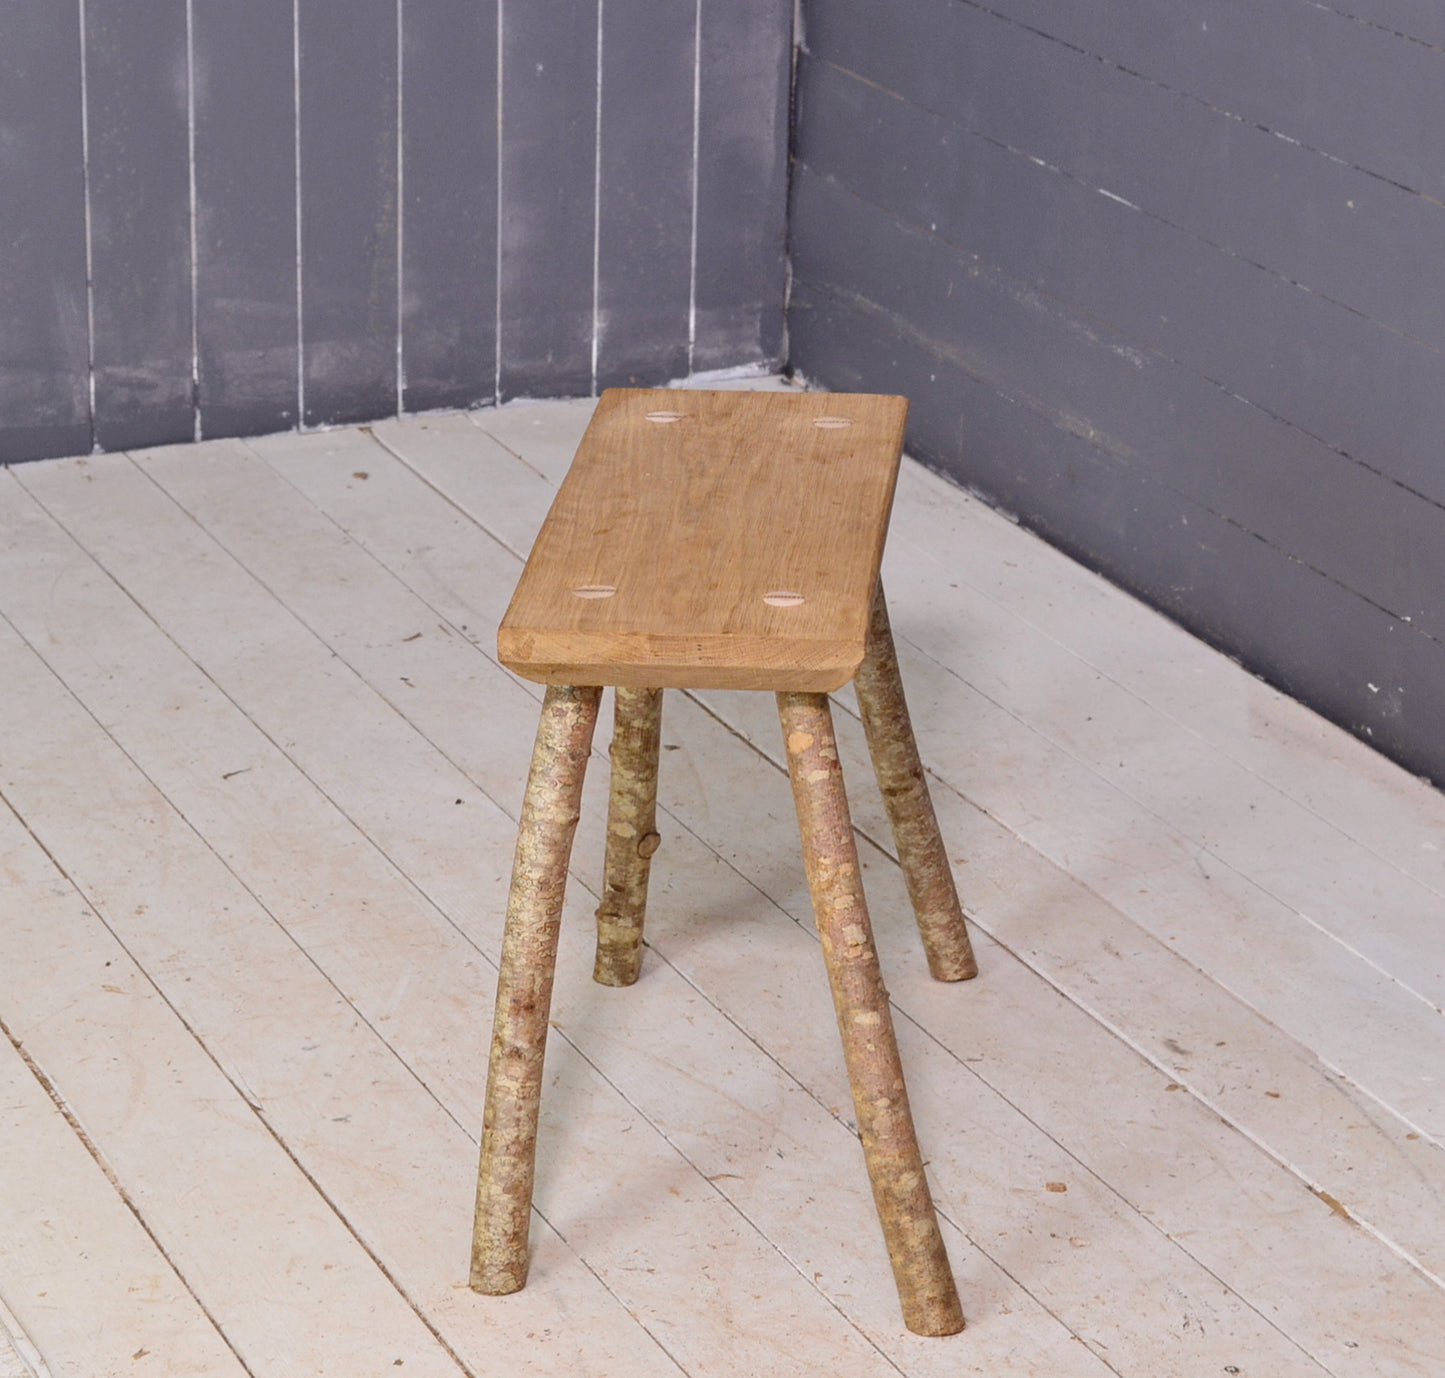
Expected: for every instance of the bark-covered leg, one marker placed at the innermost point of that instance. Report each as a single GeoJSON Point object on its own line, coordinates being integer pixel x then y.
{"type": "Point", "coordinates": [550, 811]}
{"type": "Point", "coordinates": [631, 836]}
{"type": "Point", "coordinates": [910, 810]}
{"type": "Point", "coordinates": [880, 1099]}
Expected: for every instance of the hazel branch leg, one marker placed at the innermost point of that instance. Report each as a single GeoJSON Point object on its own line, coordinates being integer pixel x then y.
{"type": "Point", "coordinates": [631, 835]}
{"type": "Point", "coordinates": [900, 775]}
{"type": "Point", "coordinates": [880, 1098]}
{"type": "Point", "coordinates": [550, 810]}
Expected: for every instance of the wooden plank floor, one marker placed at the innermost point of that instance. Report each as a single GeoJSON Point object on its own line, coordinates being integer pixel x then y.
{"type": "Point", "coordinates": [259, 775]}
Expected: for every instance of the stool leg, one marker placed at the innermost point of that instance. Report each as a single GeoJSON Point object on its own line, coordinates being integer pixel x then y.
{"type": "Point", "coordinates": [910, 810]}
{"type": "Point", "coordinates": [880, 1099]}
{"type": "Point", "coordinates": [631, 835]}
{"type": "Point", "coordinates": [550, 810]}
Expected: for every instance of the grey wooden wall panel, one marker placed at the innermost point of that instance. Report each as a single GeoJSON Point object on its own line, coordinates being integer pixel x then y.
{"type": "Point", "coordinates": [742, 182]}
{"type": "Point", "coordinates": [1302, 50]}
{"type": "Point", "coordinates": [1360, 388]}
{"type": "Point", "coordinates": [376, 224]}
{"type": "Point", "coordinates": [1201, 355]}
{"type": "Point", "coordinates": [548, 191]}
{"type": "Point", "coordinates": [449, 200]}
{"type": "Point", "coordinates": [1311, 73]}
{"type": "Point", "coordinates": [1307, 634]}
{"type": "Point", "coordinates": [245, 185]}
{"type": "Point", "coordinates": [137, 102]}
{"type": "Point", "coordinates": [44, 331]}
{"type": "Point", "coordinates": [1153, 416]}
{"type": "Point", "coordinates": [348, 156]}
{"type": "Point", "coordinates": [1421, 20]}
{"type": "Point", "coordinates": [1312, 220]}
{"type": "Point", "coordinates": [644, 249]}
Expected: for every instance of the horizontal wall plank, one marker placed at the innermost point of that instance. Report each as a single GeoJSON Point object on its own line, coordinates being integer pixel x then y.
{"type": "Point", "coordinates": [742, 172]}
{"type": "Point", "coordinates": [1130, 238]}
{"type": "Point", "coordinates": [1416, 22]}
{"type": "Point", "coordinates": [644, 246]}
{"type": "Point", "coordinates": [1366, 391]}
{"type": "Point", "coordinates": [1303, 633]}
{"type": "Point", "coordinates": [245, 171]}
{"type": "Point", "coordinates": [1313, 221]}
{"type": "Point", "coordinates": [137, 97]}
{"type": "Point", "coordinates": [1152, 415]}
{"type": "Point", "coordinates": [1311, 72]}
{"type": "Point", "coordinates": [348, 157]}
{"type": "Point", "coordinates": [44, 330]}
{"type": "Point", "coordinates": [449, 203]}
{"type": "Point", "coordinates": [548, 189]}
{"type": "Point", "coordinates": [1419, 20]}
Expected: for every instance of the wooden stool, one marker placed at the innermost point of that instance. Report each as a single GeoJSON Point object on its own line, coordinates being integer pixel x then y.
{"type": "Point", "coordinates": [718, 540]}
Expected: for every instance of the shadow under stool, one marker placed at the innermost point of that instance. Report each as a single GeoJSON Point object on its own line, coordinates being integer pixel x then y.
{"type": "Point", "coordinates": [719, 540]}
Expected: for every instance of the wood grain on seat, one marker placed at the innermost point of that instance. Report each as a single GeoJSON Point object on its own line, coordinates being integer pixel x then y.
{"type": "Point", "coordinates": [718, 539]}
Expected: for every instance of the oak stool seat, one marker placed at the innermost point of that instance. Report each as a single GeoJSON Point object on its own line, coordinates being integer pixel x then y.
{"type": "Point", "coordinates": [718, 540]}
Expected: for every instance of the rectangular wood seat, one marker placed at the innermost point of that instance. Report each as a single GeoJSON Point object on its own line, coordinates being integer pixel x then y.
{"type": "Point", "coordinates": [725, 540]}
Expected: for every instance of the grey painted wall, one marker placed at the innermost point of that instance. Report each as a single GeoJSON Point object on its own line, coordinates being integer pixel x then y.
{"type": "Point", "coordinates": [1161, 279]}
{"type": "Point", "coordinates": [223, 218]}
{"type": "Point", "coordinates": [1164, 280]}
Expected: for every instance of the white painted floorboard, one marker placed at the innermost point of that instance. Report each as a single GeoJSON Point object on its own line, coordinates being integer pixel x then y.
{"type": "Point", "coordinates": [259, 775]}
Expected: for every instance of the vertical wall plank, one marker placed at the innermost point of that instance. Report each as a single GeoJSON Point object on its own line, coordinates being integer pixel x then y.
{"type": "Point", "coordinates": [44, 332]}
{"type": "Point", "coordinates": [645, 217]}
{"type": "Point", "coordinates": [136, 75]}
{"type": "Point", "coordinates": [245, 216]}
{"type": "Point", "coordinates": [742, 181]}
{"type": "Point", "coordinates": [548, 181]}
{"type": "Point", "coordinates": [449, 191]}
{"type": "Point", "coordinates": [348, 138]}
